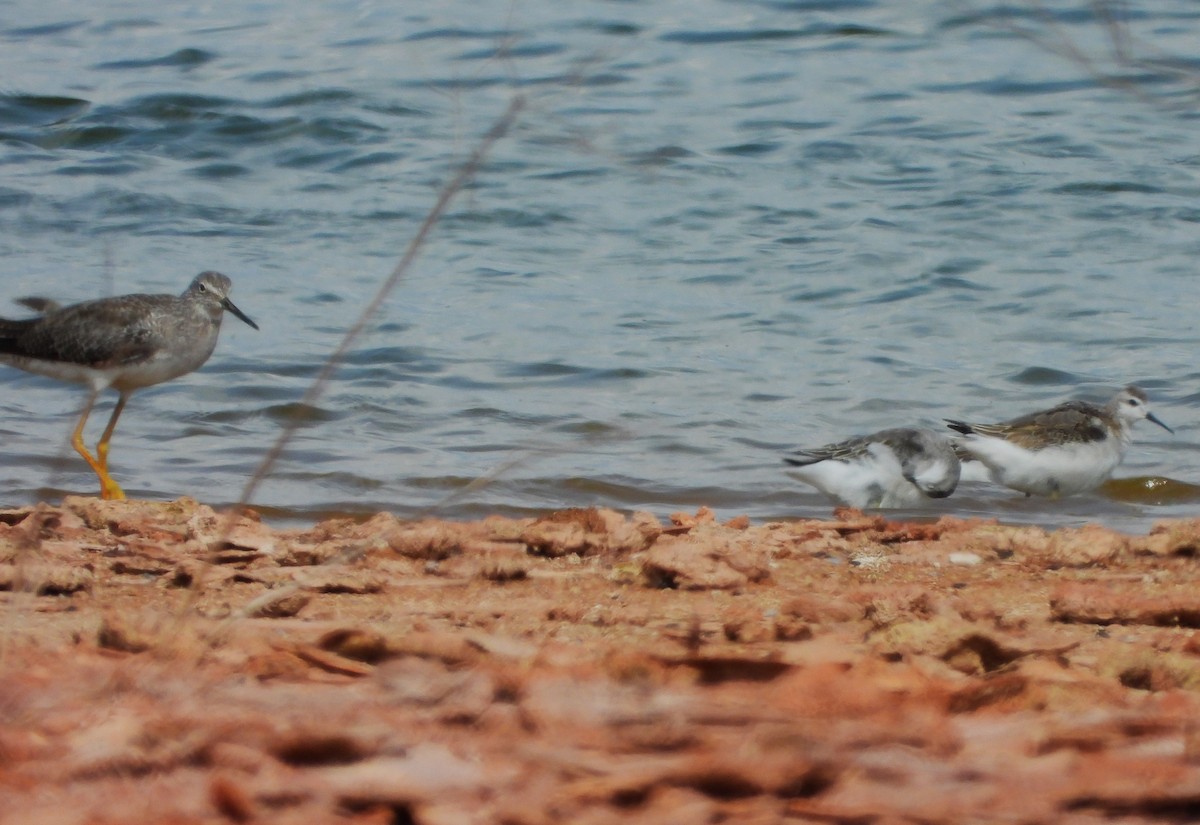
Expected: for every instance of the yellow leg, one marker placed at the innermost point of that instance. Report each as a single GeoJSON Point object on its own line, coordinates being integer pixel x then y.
{"type": "Point", "coordinates": [109, 489]}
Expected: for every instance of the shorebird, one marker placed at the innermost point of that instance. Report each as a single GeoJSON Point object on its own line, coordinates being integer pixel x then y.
{"type": "Point", "coordinates": [901, 467]}
{"type": "Point", "coordinates": [125, 342]}
{"type": "Point", "coordinates": [1068, 449]}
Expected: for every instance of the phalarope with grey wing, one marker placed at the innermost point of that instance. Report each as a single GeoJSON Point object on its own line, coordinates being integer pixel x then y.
{"type": "Point", "coordinates": [902, 467]}
{"type": "Point", "coordinates": [1068, 449]}
{"type": "Point", "coordinates": [125, 342]}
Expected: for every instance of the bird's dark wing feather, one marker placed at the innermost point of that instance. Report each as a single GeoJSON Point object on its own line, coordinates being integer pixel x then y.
{"type": "Point", "coordinates": [108, 332]}
{"type": "Point", "coordinates": [1070, 422]}
{"type": "Point", "coordinates": [850, 448]}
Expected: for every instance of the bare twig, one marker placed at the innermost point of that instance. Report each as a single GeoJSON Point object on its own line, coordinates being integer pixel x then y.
{"type": "Point", "coordinates": [1124, 52]}
{"type": "Point", "coordinates": [465, 174]}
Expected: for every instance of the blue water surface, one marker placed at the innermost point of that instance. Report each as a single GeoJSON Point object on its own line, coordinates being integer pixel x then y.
{"type": "Point", "coordinates": [719, 230]}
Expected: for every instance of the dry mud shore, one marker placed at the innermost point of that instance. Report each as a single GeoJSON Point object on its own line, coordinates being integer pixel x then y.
{"type": "Point", "coordinates": [593, 667]}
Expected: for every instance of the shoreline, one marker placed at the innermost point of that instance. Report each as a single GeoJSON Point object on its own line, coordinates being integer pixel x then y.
{"type": "Point", "coordinates": [593, 665]}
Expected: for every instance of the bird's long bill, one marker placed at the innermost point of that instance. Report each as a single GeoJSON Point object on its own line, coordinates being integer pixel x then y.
{"type": "Point", "coordinates": [228, 304]}
{"type": "Point", "coordinates": [1155, 419]}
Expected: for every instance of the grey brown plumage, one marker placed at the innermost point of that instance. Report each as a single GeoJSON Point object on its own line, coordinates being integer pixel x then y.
{"type": "Point", "coordinates": [1067, 449]}
{"type": "Point", "coordinates": [1068, 423]}
{"type": "Point", "coordinates": [900, 467]}
{"type": "Point", "coordinates": [125, 342]}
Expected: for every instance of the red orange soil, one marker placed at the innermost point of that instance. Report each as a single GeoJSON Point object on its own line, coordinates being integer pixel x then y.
{"type": "Point", "coordinates": [591, 667]}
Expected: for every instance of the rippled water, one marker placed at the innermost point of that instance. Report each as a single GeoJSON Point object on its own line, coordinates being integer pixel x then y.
{"type": "Point", "coordinates": [720, 230]}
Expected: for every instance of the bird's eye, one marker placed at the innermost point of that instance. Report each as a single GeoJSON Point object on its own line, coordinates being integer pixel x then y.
{"type": "Point", "coordinates": [201, 288]}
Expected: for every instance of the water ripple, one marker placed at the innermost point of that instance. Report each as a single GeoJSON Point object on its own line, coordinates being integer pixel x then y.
{"type": "Point", "coordinates": [183, 58]}
{"type": "Point", "coordinates": [776, 222]}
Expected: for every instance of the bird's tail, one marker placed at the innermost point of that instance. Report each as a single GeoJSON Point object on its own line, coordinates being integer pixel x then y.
{"type": "Point", "coordinates": [959, 426]}
{"type": "Point", "coordinates": [10, 333]}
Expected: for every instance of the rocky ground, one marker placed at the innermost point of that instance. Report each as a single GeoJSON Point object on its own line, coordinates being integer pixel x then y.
{"type": "Point", "coordinates": [161, 664]}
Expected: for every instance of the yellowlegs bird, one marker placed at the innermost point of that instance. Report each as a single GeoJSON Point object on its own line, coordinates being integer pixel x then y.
{"type": "Point", "coordinates": [902, 467]}
{"type": "Point", "coordinates": [126, 342]}
{"type": "Point", "coordinates": [1068, 449]}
